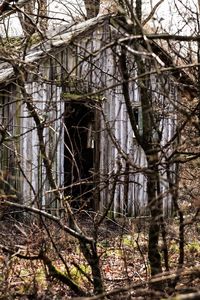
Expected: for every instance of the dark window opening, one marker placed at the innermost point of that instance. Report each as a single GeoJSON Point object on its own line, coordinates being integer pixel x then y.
{"type": "Point", "coordinates": [79, 153]}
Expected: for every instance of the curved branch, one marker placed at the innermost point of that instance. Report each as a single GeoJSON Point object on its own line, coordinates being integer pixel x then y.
{"type": "Point", "coordinates": [79, 236]}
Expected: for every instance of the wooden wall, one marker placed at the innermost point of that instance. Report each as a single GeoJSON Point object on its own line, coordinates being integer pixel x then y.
{"type": "Point", "coordinates": [76, 71]}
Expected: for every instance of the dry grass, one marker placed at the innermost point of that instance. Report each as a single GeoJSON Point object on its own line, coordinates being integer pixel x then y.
{"type": "Point", "coordinates": [122, 249]}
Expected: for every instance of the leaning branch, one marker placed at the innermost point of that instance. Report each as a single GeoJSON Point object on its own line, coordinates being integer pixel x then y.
{"type": "Point", "coordinates": [162, 36]}
{"type": "Point", "coordinates": [53, 271]}
{"type": "Point", "coordinates": [152, 12]}
{"type": "Point", "coordinates": [193, 273]}
{"type": "Point", "coordinates": [79, 236]}
{"type": "Point", "coordinates": [7, 7]}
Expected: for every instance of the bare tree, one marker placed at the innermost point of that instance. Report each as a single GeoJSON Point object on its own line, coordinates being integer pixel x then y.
{"type": "Point", "coordinates": [33, 16]}
{"type": "Point", "coordinates": [96, 116]}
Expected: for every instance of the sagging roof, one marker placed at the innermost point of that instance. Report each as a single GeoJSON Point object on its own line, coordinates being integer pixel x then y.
{"type": "Point", "coordinates": [64, 35]}
{"type": "Point", "coordinates": [53, 41]}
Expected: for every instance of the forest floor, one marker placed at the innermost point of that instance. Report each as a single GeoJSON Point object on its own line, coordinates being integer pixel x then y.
{"type": "Point", "coordinates": [122, 247]}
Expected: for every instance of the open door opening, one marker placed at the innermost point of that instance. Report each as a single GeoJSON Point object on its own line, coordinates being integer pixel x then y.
{"type": "Point", "coordinates": [79, 153]}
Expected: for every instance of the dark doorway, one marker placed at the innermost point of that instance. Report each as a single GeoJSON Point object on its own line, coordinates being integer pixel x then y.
{"type": "Point", "coordinates": [79, 153]}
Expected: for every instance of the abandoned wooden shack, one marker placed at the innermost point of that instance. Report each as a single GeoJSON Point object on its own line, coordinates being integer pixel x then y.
{"type": "Point", "coordinates": [74, 80]}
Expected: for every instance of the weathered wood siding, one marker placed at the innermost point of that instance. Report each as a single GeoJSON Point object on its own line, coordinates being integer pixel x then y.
{"type": "Point", "coordinates": [76, 70]}
{"type": "Point", "coordinates": [46, 98]}
{"type": "Point", "coordinates": [9, 146]}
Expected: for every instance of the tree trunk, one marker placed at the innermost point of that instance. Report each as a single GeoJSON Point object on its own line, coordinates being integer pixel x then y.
{"type": "Point", "coordinates": [156, 214]}
{"type": "Point", "coordinates": [26, 18]}
{"type": "Point", "coordinates": [31, 19]}
{"type": "Point", "coordinates": [92, 8]}
{"type": "Point", "coordinates": [151, 147]}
